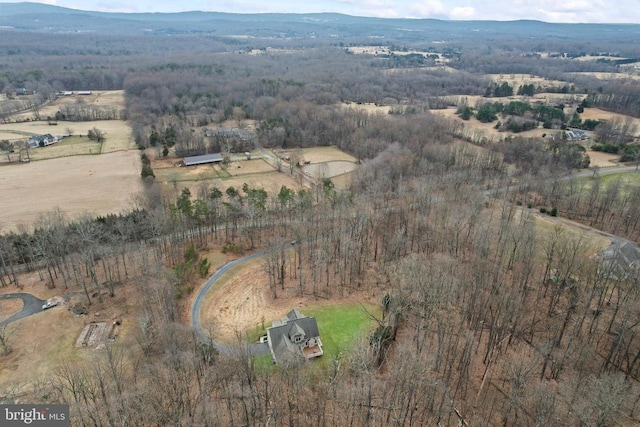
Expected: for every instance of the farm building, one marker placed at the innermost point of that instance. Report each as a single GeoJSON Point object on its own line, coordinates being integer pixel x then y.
{"type": "Point", "coordinates": [202, 160]}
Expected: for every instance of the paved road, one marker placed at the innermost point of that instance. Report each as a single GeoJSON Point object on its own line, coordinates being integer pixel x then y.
{"type": "Point", "coordinates": [255, 349]}
{"type": "Point", "coordinates": [31, 305]}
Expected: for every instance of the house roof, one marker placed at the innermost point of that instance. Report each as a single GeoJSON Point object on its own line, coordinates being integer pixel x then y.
{"type": "Point", "coordinates": [283, 349]}
{"type": "Point", "coordinates": [201, 160]}
{"type": "Point", "coordinates": [620, 259]}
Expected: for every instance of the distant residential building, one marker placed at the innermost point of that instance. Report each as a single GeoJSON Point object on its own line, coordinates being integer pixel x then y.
{"type": "Point", "coordinates": [42, 140]}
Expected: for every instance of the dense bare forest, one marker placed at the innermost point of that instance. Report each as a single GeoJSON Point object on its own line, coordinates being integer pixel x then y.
{"type": "Point", "coordinates": [487, 317]}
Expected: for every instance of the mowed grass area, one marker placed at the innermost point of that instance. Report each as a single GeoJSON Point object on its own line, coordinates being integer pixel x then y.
{"type": "Point", "coordinates": [627, 179]}
{"type": "Point", "coordinates": [72, 146]}
{"type": "Point", "coordinates": [341, 327]}
{"type": "Point", "coordinates": [117, 133]}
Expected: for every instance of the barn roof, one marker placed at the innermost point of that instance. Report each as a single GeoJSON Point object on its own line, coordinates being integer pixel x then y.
{"type": "Point", "coordinates": [201, 160]}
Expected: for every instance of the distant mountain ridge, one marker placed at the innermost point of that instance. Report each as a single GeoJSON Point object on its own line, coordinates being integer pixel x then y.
{"type": "Point", "coordinates": [27, 16]}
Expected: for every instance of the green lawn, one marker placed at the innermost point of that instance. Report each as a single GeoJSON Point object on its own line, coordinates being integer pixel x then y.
{"type": "Point", "coordinates": [339, 326]}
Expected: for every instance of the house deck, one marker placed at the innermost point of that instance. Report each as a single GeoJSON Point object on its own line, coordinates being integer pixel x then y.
{"type": "Point", "coordinates": [311, 352]}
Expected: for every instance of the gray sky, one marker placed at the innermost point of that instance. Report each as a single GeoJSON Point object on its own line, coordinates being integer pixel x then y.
{"type": "Point", "coordinates": [607, 11]}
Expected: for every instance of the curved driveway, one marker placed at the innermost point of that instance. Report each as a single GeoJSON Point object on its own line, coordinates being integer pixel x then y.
{"type": "Point", "coordinates": [255, 349]}
{"type": "Point", "coordinates": [31, 305]}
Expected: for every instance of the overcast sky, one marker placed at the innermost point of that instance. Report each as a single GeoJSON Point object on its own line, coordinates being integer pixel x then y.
{"type": "Point", "coordinates": [609, 11]}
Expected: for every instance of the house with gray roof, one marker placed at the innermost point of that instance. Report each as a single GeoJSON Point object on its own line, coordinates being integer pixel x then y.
{"type": "Point", "coordinates": [621, 260]}
{"type": "Point", "coordinates": [294, 339]}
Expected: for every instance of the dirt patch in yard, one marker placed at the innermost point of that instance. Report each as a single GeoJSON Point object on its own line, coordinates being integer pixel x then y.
{"type": "Point", "coordinates": [96, 185]}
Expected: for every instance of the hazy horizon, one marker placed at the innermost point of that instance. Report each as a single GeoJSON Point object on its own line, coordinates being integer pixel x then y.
{"type": "Point", "coordinates": [559, 11]}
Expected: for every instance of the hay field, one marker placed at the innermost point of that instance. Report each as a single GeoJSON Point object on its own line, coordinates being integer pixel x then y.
{"type": "Point", "coordinates": [96, 185]}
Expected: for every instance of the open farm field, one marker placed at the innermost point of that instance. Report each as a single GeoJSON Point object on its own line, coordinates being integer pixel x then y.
{"type": "Point", "coordinates": [96, 185]}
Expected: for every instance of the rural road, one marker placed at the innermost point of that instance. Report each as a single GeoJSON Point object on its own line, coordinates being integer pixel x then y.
{"type": "Point", "coordinates": [31, 305]}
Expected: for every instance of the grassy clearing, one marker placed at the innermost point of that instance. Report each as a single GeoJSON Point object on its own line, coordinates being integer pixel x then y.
{"type": "Point", "coordinates": [117, 132]}
{"type": "Point", "coordinates": [72, 146]}
{"type": "Point", "coordinates": [341, 325]}
{"type": "Point", "coordinates": [326, 154]}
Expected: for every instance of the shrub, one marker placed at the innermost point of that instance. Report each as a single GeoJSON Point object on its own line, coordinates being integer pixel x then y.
{"type": "Point", "coordinates": [147, 171]}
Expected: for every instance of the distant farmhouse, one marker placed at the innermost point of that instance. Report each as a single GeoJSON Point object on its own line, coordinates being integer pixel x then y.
{"type": "Point", "coordinates": [42, 140]}
{"type": "Point", "coordinates": [576, 135]}
{"type": "Point", "coordinates": [202, 160]}
{"type": "Point", "coordinates": [294, 339]}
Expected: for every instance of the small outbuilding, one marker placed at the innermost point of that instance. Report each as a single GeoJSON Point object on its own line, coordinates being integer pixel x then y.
{"type": "Point", "coordinates": [202, 160]}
